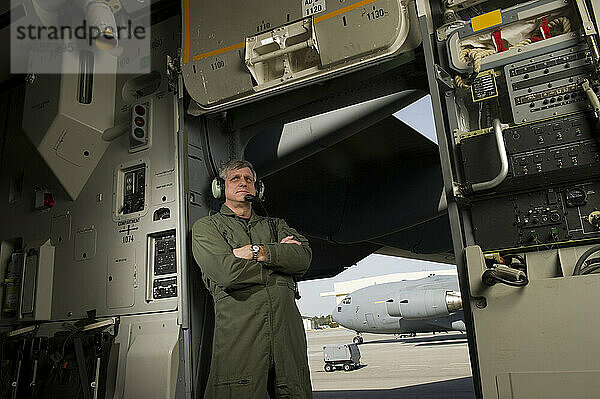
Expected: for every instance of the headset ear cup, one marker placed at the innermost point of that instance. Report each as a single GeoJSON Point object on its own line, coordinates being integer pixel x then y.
{"type": "Point", "coordinates": [218, 187]}
{"type": "Point", "coordinates": [260, 189]}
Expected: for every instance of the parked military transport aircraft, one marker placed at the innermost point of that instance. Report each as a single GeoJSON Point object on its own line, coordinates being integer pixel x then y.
{"type": "Point", "coordinates": [430, 304]}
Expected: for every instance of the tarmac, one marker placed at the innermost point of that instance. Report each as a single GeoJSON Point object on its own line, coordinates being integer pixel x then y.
{"type": "Point", "coordinates": [425, 367]}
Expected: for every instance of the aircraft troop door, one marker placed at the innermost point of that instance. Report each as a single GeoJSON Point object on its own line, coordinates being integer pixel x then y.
{"type": "Point", "coordinates": [370, 320]}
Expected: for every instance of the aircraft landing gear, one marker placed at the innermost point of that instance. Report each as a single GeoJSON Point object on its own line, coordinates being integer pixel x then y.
{"type": "Point", "coordinates": [358, 339]}
{"type": "Point", "coordinates": [409, 335]}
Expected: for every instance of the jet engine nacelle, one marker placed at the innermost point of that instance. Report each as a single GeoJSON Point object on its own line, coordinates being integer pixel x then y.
{"type": "Point", "coordinates": [424, 304]}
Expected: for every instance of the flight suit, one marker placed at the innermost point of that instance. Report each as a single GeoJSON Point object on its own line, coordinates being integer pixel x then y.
{"type": "Point", "coordinates": [258, 329]}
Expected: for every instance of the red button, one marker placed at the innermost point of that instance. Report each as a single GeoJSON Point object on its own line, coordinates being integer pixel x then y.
{"type": "Point", "coordinates": [48, 200]}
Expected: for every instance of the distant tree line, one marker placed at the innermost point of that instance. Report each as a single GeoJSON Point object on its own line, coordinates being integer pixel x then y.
{"type": "Point", "coordinates": [319, 321]}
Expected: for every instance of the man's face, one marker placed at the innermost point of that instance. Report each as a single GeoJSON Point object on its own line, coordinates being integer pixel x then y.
{"type": "Point", "coordinates": [238, 183]}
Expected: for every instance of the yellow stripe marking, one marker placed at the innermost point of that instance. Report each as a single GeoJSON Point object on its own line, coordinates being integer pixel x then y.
{"type": "Point", "coordinates": [342, 10]}
{"type": "Point", "coordinates": [219, 51]}
{"type": "Point", "coordinates": [241, 45]}
{"type": "Point", "coordinates": [186, 32]}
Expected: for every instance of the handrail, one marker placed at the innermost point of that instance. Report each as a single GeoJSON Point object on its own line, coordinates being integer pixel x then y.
{"type": "Point", "coordinates": [496, 181]}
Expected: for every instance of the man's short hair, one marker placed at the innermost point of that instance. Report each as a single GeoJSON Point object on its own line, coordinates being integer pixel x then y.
{"type": "Point", "coordinates": [235, 164]}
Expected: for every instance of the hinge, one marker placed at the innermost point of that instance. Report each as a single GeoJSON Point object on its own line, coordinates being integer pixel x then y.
{"type": "Point", "coordinates": [444, 77]}
{"type": "Point", "coordinates": [461, 191]}
{"type": "Point", "coordinates": [173, 73]}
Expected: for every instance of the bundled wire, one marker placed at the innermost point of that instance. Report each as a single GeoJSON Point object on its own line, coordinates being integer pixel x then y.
{"type": "Point", "coordinates": [585, 265]}
{"type": "Point", "coordinates": [512, 272]}
{"type": "Point", "coordinates": [563, 22]}
{"type": "Point", "coordinates": [509, 260]}
{"type": "Point", "coordinates": [474, 56]}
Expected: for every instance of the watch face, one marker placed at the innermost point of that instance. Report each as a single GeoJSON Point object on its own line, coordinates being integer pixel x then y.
{"type": "Point", "coordinates": [255, 248]}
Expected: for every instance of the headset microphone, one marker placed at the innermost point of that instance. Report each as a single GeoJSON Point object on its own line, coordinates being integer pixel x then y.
{"type": "Point", "coordinates": [255, 199]}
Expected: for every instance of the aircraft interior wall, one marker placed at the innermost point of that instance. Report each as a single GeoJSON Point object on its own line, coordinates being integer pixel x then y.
{"type": "Point", "coordinates": [96, 279]}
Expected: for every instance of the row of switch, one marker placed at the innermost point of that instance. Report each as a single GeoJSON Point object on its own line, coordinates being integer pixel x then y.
{"type": "Point", "coordinates": [165, 288]}
{"type": "Point", "coordinates": [548, 63]}
{"type": "Point", "coordinates": [573, 152]}
{"type": "Point", "coordinates": [552, 218]}
{"type": "Point", "coordinates": [558, 136]}
{"type": "Point", "coordinates": [559, 165]}
{"type": "Point", "coordinates": [533, 236]}
{"type": "Point", "coordinates": [558, 99]}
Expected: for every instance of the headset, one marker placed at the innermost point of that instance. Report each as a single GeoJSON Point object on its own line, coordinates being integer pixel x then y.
{"type": "Point", "coordinates": [218, 188]}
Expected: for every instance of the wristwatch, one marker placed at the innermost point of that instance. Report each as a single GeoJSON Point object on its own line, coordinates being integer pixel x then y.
{"type": "Point", "coordinates": [255, 250]}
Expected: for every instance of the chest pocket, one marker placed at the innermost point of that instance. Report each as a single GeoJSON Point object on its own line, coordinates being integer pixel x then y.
{"type": "Point", "coordinates": [229, 237]}
{"type": "Point", "coordinates": [260, 234]}
{"type": "Point", "coordinates": [227, 234]}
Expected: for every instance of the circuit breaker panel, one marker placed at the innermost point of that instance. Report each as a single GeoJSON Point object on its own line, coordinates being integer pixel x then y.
{"type": "Point", "coordinates": [515, 89]}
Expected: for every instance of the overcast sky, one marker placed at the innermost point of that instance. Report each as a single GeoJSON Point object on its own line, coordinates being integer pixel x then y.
{"type": "Point", "coordinates": [419, 116]}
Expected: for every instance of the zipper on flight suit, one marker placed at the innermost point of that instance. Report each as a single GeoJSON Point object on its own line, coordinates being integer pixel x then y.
{"type": "Point", "coordinates": [271, 332]}
{"type": "Point", "coordinates": [246, 226]}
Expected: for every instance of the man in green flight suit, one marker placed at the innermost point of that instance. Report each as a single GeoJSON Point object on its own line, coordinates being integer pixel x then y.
{"type": "Point", "coordinates": [248, 263]}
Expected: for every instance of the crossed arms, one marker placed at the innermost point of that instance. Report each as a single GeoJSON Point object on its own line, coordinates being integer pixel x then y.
{"type": "Point", "coordinates": [233, 268]}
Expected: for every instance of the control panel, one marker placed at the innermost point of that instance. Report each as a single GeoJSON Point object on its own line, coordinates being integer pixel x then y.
{"type": "Point", "coordinates": [548, 85]}
{"type": "Point", "coordinates": [539, 154]}
{"type": "Point", "coordinates": [164, 255]}
{"type": "Point", "coordinates": [550, 217]}
{"type": "Point", "coordinates": [526, 131]}
{"type": "Point", "coordinates": [162, 265]}
{"type": "Point", "coordinates": [163, 288]}
{"type": "Point", "coordinates": [543, 158]}
{"type": "Point", "coordinates": [519, 133]}
{"type": "Point", "coordinates": [134, 189]}
{"type": "Point", "coordinates": [131, 195]}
